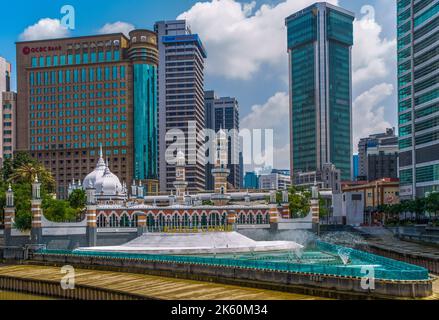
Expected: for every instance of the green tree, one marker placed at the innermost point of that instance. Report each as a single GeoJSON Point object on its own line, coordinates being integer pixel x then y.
{"type": "Point", "coordinates": [299, 202]}
{"type": "Point", "coordinates": [78, 199]}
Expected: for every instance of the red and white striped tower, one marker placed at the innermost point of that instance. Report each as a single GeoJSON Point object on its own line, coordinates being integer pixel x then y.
{"type": "Point", "coordinates": [273, 212]}
{"type": "Point", "coordinates": [285, 205]}
{"type": "Point", "coordinates": [315, 208]}
{"type": "Point", "coordinates": [9, 215]}
{"type": "Point", "coordinates": [141, 223]}
{"type": "Point", "coordinates": [220, 171]}
{"type": "Point", "coordinates": [91, 215]}
{"type": "Point", "coordinates": [231, 218]}
{"type": "Point", "coordinates": [36, 231]}
{"type": "Point", "coordinates": [180, 182]}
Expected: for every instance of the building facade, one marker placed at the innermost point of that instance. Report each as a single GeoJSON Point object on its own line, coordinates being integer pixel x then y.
{"type": "Point", "coordinates": [375, 193]}
{"type": "Point", "coordinates": [76, 94]}
{"type": "Point", "coordinates": [9, 100]}
{"type": "Point", "coordinates": [251, 180]}
{"type": "Point", "coordinates": [418, 96]}
{"type": "Point", "coordinates": [223, 113]}
{"type": "Point", "coordinates": [274, 181]}
{"type": "Point", "coordinates": [376, 156]}
{"type": "Point", "coordinates": [5, 86]}
{"type": "Point", "coordinates": [181, 101]}
{"type": "Point", "coordinates": [329, 177]}
{"type": "Point", "coordinates": [320, 38]}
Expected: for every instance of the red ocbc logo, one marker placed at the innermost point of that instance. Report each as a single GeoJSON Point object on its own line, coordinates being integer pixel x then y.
{"type": "Point", "coordinates": [27, 50]}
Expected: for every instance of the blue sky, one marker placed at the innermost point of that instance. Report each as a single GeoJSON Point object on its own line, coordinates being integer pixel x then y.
{"type": "Point", "coordinates": [246, 48]}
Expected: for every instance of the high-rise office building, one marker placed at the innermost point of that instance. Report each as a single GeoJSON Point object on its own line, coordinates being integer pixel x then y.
{"type": "Point", "coordinates": [181, 100]}
{"type": "Point", "coordinates": [5, 86]}
{"type": "Point", "coordinates": [320, 38]}
{"type": "Point", "coordinates": [223, 113]}
{"type": "Point", "coordinates": [418, 96]}
{"type": "Point", "coordinates": [9, 107]}
{"type": "Point", "coordinates": [75, 94]}
{"type": "Point", "coordinates": [376, 156]}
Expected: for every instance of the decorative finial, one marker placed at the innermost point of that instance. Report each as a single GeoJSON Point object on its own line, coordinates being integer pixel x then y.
{"type": "Point", "coordinates": [10, 188]}
{"type": "Point", "coordinates": [36, 178]}
{"type": "Point", "coordinates": [101, 154]}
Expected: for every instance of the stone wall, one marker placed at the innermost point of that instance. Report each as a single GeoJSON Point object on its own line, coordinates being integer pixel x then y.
{"type": "Point", "coordinates": [323, 285]}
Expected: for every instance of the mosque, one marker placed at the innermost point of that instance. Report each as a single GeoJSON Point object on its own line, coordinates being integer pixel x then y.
{"type": "Point", "coordinates": [192, 223]}
{"type": "Point", "coordinates": [116, 207]}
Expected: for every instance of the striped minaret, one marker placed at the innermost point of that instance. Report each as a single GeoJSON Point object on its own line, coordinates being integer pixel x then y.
{"type": "Point", "coordinates": [9, 215]}
{"type": "Point", "coordinates": [141, 223]}
{"type": "Point", "coordinates": [273, 212]}
{"type": "Point", "coordinates": [91, 215]}
{"type": "Point", "coordinates": [285, 205]}
{"type": "Point", "coordinates": [315, 208]}
{"type": "Point", "coordinates": [36, 231]}
{"type": "Point", "coordinates": [231, 218]}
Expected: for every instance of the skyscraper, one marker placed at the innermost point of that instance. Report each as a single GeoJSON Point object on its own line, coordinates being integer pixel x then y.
{"type": "Point", "coordinates": [418, 94]}
{"type": "Point", "coordinates": [75, 94]}
{"type": "Point", "coordinates": [5, 86]}
{"type": "Point", "coordinates": [181, 100]}
{"type": "Point", "coordinates": [223, 113]}
{"type": "Point", "coordinates": [320, 38]}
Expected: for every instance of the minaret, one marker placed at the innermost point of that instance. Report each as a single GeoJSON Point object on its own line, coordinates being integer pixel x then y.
{"type": "Point", "coordinates": [91, 215]}
{"type": "Point", "coordinates": [140, 190]}
{"type": "Point", "coordinates": [9, 215]}
{"type": "Point", "coordinates": [180, 183]}
{"type": "Point", "coordinates": [36, 231]}
{"type": "Point", "coordinates": [220, 171]}
{"type": "Point", "coordinates": [285, 204]}
{"type": "Point", "coordinates": [315, 208]}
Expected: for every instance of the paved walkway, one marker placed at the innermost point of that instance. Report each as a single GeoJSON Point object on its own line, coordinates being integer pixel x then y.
{"type": "Point", "coordinates": [152, 286]}
{"type": "Point", "coordinates": [383, 238]}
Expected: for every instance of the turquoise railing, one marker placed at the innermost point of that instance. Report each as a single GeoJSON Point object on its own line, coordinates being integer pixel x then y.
{"type": "Point", "coordinates": [387, 269]}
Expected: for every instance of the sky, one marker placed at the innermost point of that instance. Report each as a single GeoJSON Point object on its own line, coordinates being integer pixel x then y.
{"type": "Point", "coordinates": [246, 48]}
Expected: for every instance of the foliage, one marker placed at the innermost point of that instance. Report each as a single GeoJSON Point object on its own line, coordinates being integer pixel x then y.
{"type": "Point", "coordinates": [78, 199]}
{"type": "Point", "coordinates": [58, 210]}
{"type": "Point", "coordinates": [207, 203]}
{"type": "Point", "coordinates": [323, 208]}
{"type": "Point", "coordinates": [299, 202]}
{"type": "Point", "coordinates": [21, 172]}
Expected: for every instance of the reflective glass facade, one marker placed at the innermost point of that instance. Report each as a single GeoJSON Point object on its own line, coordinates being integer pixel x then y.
{"type": "Point", "coordinates": [319, 44]}
{"type": "Point", "coordinates": [145, 121]}
{"type": "Point", "coordinates": [418, 96]}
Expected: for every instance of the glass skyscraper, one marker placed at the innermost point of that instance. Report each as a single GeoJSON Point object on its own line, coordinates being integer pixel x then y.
{"type": "Point", "coordinates": [320, 38]}
{"type": "Point", "coordinates": [418, 96]}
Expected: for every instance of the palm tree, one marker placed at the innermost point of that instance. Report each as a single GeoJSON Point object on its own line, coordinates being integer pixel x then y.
{"type": "Point", "coordinates": [27, 173]}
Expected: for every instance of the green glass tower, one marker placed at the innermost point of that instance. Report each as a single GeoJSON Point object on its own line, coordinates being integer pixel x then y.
{"type": "Point", "coordinates": [418, 96]}
{"type": "Point", "coordinates": [320, 38]}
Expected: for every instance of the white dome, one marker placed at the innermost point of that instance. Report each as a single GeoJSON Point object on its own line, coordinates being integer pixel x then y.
{"type": "Point", "coordinates": [96, 174]}
{"type": "Point", "coordinates": [108, 185]}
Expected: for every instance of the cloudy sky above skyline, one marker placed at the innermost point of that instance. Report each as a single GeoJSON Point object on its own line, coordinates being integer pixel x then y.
{"type": "Point", "coordinates": [246, 45]}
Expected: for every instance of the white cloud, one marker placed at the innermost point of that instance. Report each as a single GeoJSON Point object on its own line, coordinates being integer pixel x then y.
{"type": "Point", "coordinates": [373, 57]}
{"type": "Point", "coordinates": [116, 27]}
{"type": "Point", "coordinates": [46, 28]}
{"type": "Point", "coordinates": [273, 114]}
{"type": "Point", "coordinates": [368, 114]}
{"type": "Point", "coordinates": [238, 40]}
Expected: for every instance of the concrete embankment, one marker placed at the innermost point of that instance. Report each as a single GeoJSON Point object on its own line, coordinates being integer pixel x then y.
{"type": "Point", "coordinates": [98, 284]}
{"type": "Point", "coordinates": [302, 283]}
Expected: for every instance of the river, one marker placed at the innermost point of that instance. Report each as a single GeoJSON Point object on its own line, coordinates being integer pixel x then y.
{"type": "Point", "coordinates": [8, 295]}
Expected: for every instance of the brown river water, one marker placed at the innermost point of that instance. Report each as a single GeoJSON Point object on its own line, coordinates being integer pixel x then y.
{"type": "Point", "coordinates": [8, 295]}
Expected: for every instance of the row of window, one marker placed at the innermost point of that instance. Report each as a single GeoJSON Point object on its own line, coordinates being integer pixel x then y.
{"type": "Point", "coordinates": [70, 59]}
{"type": "Point", "coordinates": [77, 76]}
